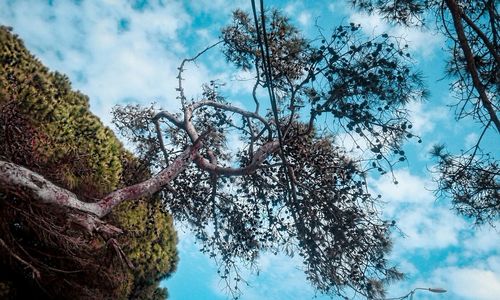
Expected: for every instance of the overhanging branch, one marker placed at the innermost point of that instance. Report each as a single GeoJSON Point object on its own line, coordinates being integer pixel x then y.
{"type": "Point", "coordinates": [20, 180]}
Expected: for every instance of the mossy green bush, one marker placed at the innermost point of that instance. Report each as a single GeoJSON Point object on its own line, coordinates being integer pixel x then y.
{"type": "Point", "coordinates": [48, 127]}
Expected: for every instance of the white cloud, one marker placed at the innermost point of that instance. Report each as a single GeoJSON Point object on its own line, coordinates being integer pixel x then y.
{"type": "Point", "coordinates": [406, 267]}
{"type": "Point", "coordinates": [287, 278]}
{"type": "Point", "coordinates": [426, 225]}
{"type": "Point", "coordinates": [371, 24]}
{"type": "Point", "coordinates": [424, 117]}
{"type": "Point", "coordinates": [339, 7]}
{"type": "Point", "coordinates": [469, 283]}
{"type": "Point", "coordinates": [428, 228]}
{"type": "Point", "coordinates": [493, 262]}
{"type": "Point", "coordinates": [483, 240]}
{"type": "Point", "coordinates": [471, 140]}
{"type": "Point", "coordinates": [470, 268]}
{"type": "Point", "coordinates": [292, 7]}
{"type": "Point", "coordinates": [305, 18]}
{"type": "Point", "coordinates": [301, 12]}
{"type": "Point", "coordinates": [410, 188]}
{"type": "Point", "coordinates": [422, 42]}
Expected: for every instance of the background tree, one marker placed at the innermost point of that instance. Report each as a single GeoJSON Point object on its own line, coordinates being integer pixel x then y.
{"type": "Point", "coordinates": [292, 187]}
{"type": "Point", "coordinates": [47, 127]}
{"type": "Point", "coordinates": [472, 178]}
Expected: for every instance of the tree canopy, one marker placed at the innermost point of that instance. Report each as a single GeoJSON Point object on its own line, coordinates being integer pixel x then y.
{"type": "Point", "coordinates": [292, 187]}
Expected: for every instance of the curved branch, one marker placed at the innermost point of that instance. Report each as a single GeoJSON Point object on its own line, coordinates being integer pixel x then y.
{"type": "Point", "coordinates": [20, 180]}
{"type": "Point", "coordinates": [169, 116]}
{"type": "Point", "coordinates": [228, 107]}
{"type": "Point", "coordinates": [152, 184]}
{"type": "Point", "coordinates": [258, 158]}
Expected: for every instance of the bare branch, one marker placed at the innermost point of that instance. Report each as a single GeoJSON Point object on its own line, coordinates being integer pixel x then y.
{"type": "Point", "coordinates": [481, 34]}
{"type": "Point", "coordinates": [171, 117]}
{"type": "Point", "coordinates": [151, 185]}
{"type": "Point", "coordinates": [228, 107]}
{"type": "Point", "coordinates": [180, 89]}
{"type": "Point", "coordinates": [36, 273]}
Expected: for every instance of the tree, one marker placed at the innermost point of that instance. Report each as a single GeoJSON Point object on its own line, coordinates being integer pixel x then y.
{"type": "Point", "coordinates": [292, 187]}
{"type": "Point", "coordinates": [47, 127]}
{"type": "Point", "coordinates": [472, 178]}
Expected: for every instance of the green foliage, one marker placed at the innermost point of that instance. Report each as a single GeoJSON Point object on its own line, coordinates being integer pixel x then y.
{"type": "Point", "coordinates": [67, 130]}
{"type": "Point", "coordinates": [48, 127]}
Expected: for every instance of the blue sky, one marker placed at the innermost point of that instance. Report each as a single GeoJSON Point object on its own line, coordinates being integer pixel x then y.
{"type": "Point", "coordinates": [128, 52]}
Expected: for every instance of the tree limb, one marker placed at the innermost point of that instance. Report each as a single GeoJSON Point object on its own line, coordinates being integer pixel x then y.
{"type": "Point", "coordinates": [228, 107]}
{"type": "Point", "coordinates": [173, 119]}
{"type": "Point", "coordinates": [471, 65]}
{"type": "Point", "coordinates": [18, 179]}
{"type": "Point", "coordinates": [481, 34]}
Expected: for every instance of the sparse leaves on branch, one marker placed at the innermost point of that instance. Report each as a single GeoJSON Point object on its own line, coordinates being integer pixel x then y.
{"type": "Point", "coordinates": [305, 195]}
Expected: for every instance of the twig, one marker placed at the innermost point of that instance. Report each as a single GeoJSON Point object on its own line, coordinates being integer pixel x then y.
{"type": "Point", "coordinates": [36, 273]}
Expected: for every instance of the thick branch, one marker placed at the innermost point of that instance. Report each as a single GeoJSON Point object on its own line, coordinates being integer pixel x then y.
{"type": "Point", "coordinates": [471, 65]}
{"type": "Point", "coordinates": [18, 179]}
{"type": "Point", "coordinates": [173, 119]}
{"type": "Point", "coordinates": [151, 185]}
{"type": "Point", "coordinates": [483, 36]}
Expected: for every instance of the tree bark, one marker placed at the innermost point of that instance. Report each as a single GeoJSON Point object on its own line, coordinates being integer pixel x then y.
{"type": "Point", "coordinates": [258, 158]}
{"type": "Point", "coordinates": [20, 180]}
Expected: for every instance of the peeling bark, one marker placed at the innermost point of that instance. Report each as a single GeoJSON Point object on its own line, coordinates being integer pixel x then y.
{"type": "Point", "coordinates": [20, 180]}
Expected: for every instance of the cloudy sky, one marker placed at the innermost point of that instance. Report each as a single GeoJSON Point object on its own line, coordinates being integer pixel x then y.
{"type": "Point", "coordinates": [128, 51]}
